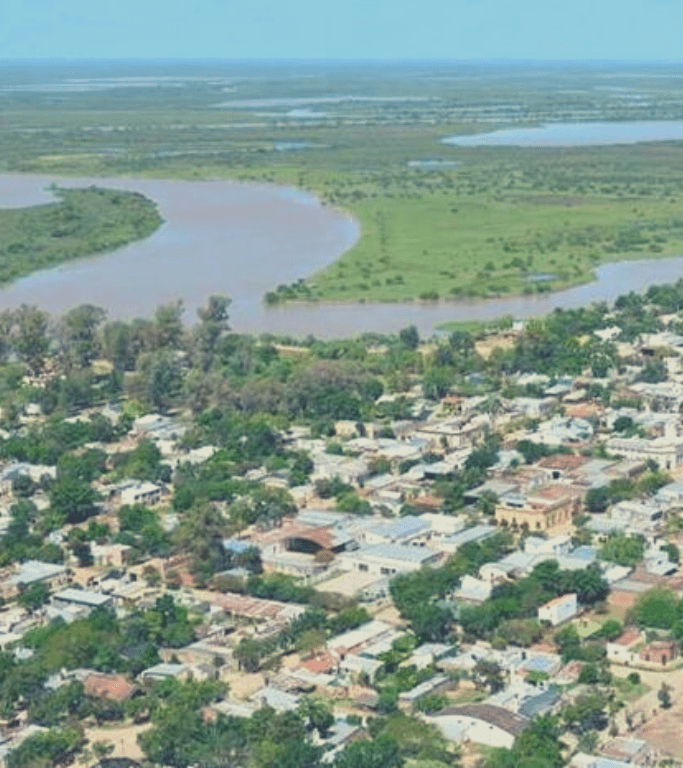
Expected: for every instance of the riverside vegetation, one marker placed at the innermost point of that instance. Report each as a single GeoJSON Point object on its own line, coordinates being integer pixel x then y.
{"type": "Point", "coordinates": [82, 222]}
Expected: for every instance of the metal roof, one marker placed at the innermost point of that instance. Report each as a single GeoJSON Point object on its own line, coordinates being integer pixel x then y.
{"type": "Point", "coordinates": [396, 552]}
{"type": "Point", "coordinates": [488, 713]}
{"type": "Point", "coordinates": [476, 533]}
{"type": "Point", "coordinates": [34, 570]}
{"type": "Point", "coordinates": [82, 597]}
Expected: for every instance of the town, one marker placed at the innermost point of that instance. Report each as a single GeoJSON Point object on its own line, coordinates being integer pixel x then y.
{"type": "Point", "coordinates": [455, 551]}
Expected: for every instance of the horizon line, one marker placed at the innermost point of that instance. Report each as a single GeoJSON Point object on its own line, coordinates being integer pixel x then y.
{"type": "Point", "coordinates": [336, 60]}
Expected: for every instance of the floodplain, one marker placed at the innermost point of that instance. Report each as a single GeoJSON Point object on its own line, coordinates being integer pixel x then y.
{"type": "Point", "coordinates": [439, 222]}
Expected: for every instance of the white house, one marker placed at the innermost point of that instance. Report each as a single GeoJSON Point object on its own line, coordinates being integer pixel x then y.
{"type": "Point", "coordinates": [622, 650]}
{"type": "Point", "coordinates": [560, 609]}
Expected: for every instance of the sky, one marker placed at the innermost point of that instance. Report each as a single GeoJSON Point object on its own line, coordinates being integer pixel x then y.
{"type": "Point", "coordinates": [628, 30]}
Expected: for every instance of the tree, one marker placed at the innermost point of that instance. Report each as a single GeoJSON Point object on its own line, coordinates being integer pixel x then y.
{"type": "Point", "coordinates": [78, 334]}
{"type": "Point", "coordinates": [658, 608]}
{"type": "Point", "coordinates": [383, 752]}
{"type": "Point", "coordinates": [586, 713]}
{"type": "Point", "coordinates": [623, 549]}
{"type": "Point", "coordinates": [436, 382]}
{"type": "Point", "coordinates": [213, 324]}
{"type": "Point", "coordinates": [33, 597]}
{"type": "Point", "coordinates": [168, 325]}
{"type": "Point", "coordinates": [72, 500]}
{"type": "Point", "coordinates": [102, 748]}
{"type": "Point", "coordinates": [409, 337]}
{"type": "Point", "coordinates": [610, 629]}
{"type": "Point", "coordinates": [310, 642]}
{"type": "Point", "coordinates": [47, 748]}
{"type": "Point", "coordinates": [597, 500]}
{"type": "Point", "coordinates": [318, 713]}
{"type": "Point", "coordinates": [118, 346]}
{"type": "Point", "coordinates": [431, 623]}
{"type": "Point", "coordinates": [31, 340]}
{"type": "Point", "coordinates": [490, 675]}
{"type": "Point", "coordinates": [249, 653]}
{"type": "Point", "coordinates": [664, 696]}
{"type": "Point", "coordinates": [158, 382]}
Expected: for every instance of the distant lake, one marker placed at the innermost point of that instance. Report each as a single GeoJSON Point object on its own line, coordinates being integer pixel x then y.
{"type": "Point", "coordinates": [243, 240]}
{"type": "Point", "coordinates": [575, 134]}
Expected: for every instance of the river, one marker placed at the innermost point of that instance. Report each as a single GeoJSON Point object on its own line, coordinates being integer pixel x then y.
{"type": "Point", "coordinates": [244, 239]}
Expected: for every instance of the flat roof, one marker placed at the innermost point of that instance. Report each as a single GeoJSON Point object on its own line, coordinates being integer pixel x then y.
{"type": "Point", "coordinates": [82, 596]}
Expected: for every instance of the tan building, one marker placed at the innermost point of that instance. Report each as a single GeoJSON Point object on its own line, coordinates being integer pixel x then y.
{"type": "Point", "coordinates": [550, 510]}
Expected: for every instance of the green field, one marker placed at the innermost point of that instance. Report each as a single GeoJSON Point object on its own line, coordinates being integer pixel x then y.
{"type": "Point", "coordinates": [501, 221]}
{"type": "Point", "coordinates": [80, 223]}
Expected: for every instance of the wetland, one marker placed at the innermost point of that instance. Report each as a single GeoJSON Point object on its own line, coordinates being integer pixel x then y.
{"type": "Point", "coordinates": [446, 230]}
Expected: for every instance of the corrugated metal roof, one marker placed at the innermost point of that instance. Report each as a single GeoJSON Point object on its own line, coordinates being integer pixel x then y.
{"type": "Point", "coordinates": [396, 552]}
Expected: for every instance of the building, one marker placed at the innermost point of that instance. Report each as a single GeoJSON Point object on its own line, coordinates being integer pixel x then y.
{"type": "Point", "coordinates": [549, 510]}
{"type": "Point", "coordinates": [661, 652]}
{"type": "Point", "coordinates": [388, 559]}
{"type": "Point", "coordinates": [166, 671]}
{"type": "Point", "coordinates": [559, 610]}
{"type": "Point", "coordinates": [110, 555]}
{"type": "Point", "coordinates": [485, 724]}
{"type": "Point", "coordinates": [356, 640]}
{"type": "Point", "coordinates": [33, 572]}
{"type": "Point", "coordinates": [110, 687]}
{"type": "Point", "coordinates": [82, 598]}
{"type": "Point", "coordinates": [405, 530]}
{"type": "Point", "coordinates": [667, 451]}
{"type": "Point", "coordinates": [435, 685]}
{"type": "Point", "coordinates": [145, 493]}
{"type": "Point", "coordinates": [622, 649]}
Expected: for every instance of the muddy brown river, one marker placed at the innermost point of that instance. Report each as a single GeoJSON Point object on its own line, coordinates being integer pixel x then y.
{"type": "Point", "coordinates": [243, 240]}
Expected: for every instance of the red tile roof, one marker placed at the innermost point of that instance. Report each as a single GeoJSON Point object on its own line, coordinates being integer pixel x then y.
{"type": "Point", "coordinates": [113, 687]}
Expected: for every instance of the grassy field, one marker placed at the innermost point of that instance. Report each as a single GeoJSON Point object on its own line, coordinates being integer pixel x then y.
{"type": "Point", "coordinates": [82, 222]}
{"type": "Point", "coordinates": [491, 222]}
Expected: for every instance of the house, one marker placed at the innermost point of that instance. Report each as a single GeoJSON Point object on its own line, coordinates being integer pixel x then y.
{"type": "Point", "coordinates": [81, 598]}
{"type": "Point", "coordinates": [557, 545]}
{"type": "Point", "coordinates": [280, 701]}
{"type": "Point", "coordinates": [145, 493]}
{"type": "Point", "coordinates": [435, 685]}
{"type": "Point", "coordinates": [166, 671]}
{"type": "Point", "coordinates": [33, 572]}
{"type": "Point", "coordinates": [111, 687]}
{"type": "Point", "coordinates": [355, 640]}
{"type": "Point", "coordinates": [661, 652]}
{"type": "Point", "coordinates": [110, 555]}
{"type": "Point", "coordinates": [559, 610]}
{"type": "Point", "coordinates": [622, 649]}
{"type": "Point", "coordinates": [452, 542]}
{"type": "Point", "coordinates": [388, 559]}
{"type": "Point", "coordinates": [485, 724]}
{"type": "Point", "coordinates": [474, 590]}
{"type": "Point", "coordinates": [550, 510]}
{"type": "Point", "coordinates": [406, 530]}
{"type": "Point", "coordinates": [667, 451]}
{"type": "Point", "coordinates": [354, 667]}
{"type": "Point", "coordinates": [429, 653]}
